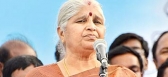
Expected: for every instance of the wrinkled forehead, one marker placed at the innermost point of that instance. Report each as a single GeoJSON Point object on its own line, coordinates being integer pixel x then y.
{"type": "Point", "coordinates": [94, 5]}
{"type": "Point", "coordinates": [91, 9]}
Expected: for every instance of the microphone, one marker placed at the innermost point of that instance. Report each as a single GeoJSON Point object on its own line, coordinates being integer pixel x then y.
{"type": "Point", "coordinates": [100, 46]}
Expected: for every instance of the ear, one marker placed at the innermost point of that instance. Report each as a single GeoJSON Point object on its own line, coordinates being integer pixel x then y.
{"type": "Point", "coordinates": [61, 34]}
{"type": "Point", "coordinates": [1, 68]}
{"type": "Point", "coordinates": [155, 63]}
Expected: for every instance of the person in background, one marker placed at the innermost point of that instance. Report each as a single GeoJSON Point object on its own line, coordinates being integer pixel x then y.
{"type": "Point", "coordinates": [135, 42]}
{"type": "Point", "coordinates": [12, 48]}
{"type": "Point", "coordinates": [127, 57]}
{"type": "Point", "coordinates": [160, 49]}
{"type": "Point", "coordinates": [19, 66]}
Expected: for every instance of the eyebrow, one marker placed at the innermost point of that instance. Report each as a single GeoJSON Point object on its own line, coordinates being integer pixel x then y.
{"type": "Point", "coordinates": [82, 17]}
{"type": "Point", "coordinates": [86, 16]}
{"type": "Point", "coordinates": [164, 48]}
{"type": "Point", "coordinates": [134, 47]}
{"type": "Point", "coordinates": [97, 17]}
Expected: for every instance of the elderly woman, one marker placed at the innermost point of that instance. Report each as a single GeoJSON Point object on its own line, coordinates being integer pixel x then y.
{"type": "Point", "coordinates": [80, 23]}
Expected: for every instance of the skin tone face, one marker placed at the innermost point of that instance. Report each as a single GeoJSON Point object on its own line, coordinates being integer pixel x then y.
{"type": "Point", "coordinates": [162, 51]}
{"type": "Point", "coordinates": [83, 29]}
{"type": "Point", "coordinates": [166, 73]}
{"type": "Point", "coordinates": [136, 45]}
{"type": "Point", "coordinates": [22, 73]}
{"type": "Point", "coordinates": [128, 60]}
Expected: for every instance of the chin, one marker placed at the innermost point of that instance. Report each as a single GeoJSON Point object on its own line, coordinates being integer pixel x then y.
{"type": "Point", "coordinates": [89, 46]}
{"type": "Point", "coordinates": [89, 50]}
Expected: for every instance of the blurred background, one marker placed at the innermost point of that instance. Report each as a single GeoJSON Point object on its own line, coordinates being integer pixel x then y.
{"type": "Point", "coordinates": [36, 20]}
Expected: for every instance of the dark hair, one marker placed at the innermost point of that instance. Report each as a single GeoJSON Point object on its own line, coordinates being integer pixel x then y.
{"type": "Point", "coordinates": [127, 36]}
{"type": "Point", "coordinates": [57, 54]}
{"type": "Point", "coordinates": [119, 50]}
{"type": "Point", "coordinates": [162, 69]}
{"type": "Point", "coordinates": [59, 51]}
{"type": "Point", "coordinates": [4, 55]}
{"type": "Point", "coordinates": [154, 48]}
{"type": "Point", "coordinates": [20, 62]}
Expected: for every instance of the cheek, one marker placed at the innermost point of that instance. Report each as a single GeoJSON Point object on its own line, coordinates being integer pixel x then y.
{"type": "Point", "coordinates": [101, 32]}
{"type": "Point", "coordinates": [138, 74]}
{"type": "Point", "coordinates": [166, 73]}
{"type": "Point", "coordinates": [161, 58]}
{"type": "Point", "coordinates": [74, 33]}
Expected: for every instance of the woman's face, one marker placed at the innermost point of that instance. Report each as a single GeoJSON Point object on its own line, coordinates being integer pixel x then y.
{"type": "Point", "coordinates": [84, 28]}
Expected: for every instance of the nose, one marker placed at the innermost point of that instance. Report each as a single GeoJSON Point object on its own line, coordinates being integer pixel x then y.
{"type": "Point", "coordinates": [91, 27]}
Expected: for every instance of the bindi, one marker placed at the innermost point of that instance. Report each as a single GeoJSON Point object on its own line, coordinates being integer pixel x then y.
{"type": "Point", "coordinates": [90, 13]}
{"type": "Point", "coordinates": [89, 3]}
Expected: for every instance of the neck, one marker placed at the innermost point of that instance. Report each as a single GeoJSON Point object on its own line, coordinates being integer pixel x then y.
{"type": "Point", "coordinates": [81, 60]}
{"type": "Point", "coordinates": [85, 55]}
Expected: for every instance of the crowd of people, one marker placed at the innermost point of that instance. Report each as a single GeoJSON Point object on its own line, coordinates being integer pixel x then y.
{"type": "Point", "coordinates": [80, 24]}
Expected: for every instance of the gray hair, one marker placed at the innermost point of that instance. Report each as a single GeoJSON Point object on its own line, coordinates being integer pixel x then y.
{"type": "Point", "coordinates": [72, 7]}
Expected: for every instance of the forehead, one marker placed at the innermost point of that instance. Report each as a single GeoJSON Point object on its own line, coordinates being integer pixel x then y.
{"type": "Point", "coordinates": [22, 51]}
{"type": "Point", "coordinates": [22, 73]}
{"type": "Point", "coordinates": [132, 43]}
{"type": "Point", "coordinates": [163, 40]}
{"type": "Point", "coordinates": [86, 9]}
{"type": "Point", "coordinates": [126, 60]}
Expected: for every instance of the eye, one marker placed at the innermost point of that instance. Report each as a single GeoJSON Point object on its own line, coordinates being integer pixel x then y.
{"type": "Point", "coordinates": [81, 21]}
{"type": "Point", "coordinates": [97, 22]}
{"type": "Point", "coordinates": [164, 51]}
{"type": "Point", "coordinates": [135, 69]}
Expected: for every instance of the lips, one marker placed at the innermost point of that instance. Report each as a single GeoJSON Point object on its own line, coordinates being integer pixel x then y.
{"type": "Point", "coordinates": [91, 36]}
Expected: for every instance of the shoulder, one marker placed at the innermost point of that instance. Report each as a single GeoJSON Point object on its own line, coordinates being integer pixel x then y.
{"type": "Point", "coordinates": [51, 70]}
